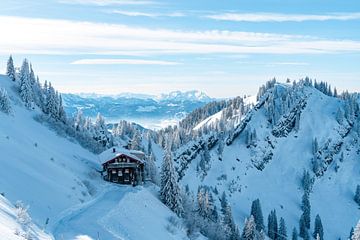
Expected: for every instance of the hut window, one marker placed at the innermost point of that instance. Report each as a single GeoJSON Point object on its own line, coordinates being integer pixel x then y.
{"type": "Point", "coordinates": [126, 170]}
{"type": "Point", "coordinates": [113, 171]}
{"type": "Point", "coordinates": [120, 173]}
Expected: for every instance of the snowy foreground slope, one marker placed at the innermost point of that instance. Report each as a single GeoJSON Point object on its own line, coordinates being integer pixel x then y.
{"type": "Point", "coordinates": [270, 167]}
{"type": "Point", "coordinates": [10, 224]}
{"type": "Point", "coordinates": [67, 198]}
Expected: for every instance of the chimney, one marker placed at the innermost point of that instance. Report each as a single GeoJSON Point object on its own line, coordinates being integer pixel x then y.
{"type": "Point", "coordinates": [114, 150]}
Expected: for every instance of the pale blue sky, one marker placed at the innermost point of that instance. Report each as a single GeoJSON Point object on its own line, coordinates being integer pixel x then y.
{"type": "Point", "coordinates": [224, 48]}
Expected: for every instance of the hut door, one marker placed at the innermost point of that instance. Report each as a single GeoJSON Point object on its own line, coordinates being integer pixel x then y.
{"type": "Point", "coordinates": [120, 176]}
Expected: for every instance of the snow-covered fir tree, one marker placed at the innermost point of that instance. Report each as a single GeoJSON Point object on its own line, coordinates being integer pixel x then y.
{"type": "Point", "coordinates": [79, 122]}
{"type": "Point", "coordinates": [303, 227]}
{"type": "Point", "coordinates": [282, 234]}
{"type": "Point", "coordinates": [25, 89]}
{"type": "Point", "coordinates": [5, 105]}
{"type": "Point", "coordinates": [135, 143]}
{"type": "Point", "coordinates": [294, 235]}
{"type": "Point", "coordinates": [10, 69]}
{"type": "Point", "coordinates": [250, 232]}
{"type": "Point", "coordinates": [151, 168]}
{"type": "Point", "coordinates": [305, 206]}
{"type": "Point", "coordinates": [272, 225]}
{"type": "Point", "coordinates": [256, 212]}
{"type": "Point", "coordinates": [61, 111]}
{"type": "Point", "coordinates": [170, 193]}
{"type": "Point", "coordinates": [232, 231]}
{"type": "Point", "coordinates": [51, 107]}
{"type": "Point", "coordinates": [101, 133]}
{"type": "Point", "coordinates": [307, 182]}
{"type": "Point", "coordinates": [318, 228]}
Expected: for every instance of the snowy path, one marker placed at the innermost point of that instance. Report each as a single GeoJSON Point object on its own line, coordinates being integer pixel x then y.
{"type": "Point", "coordinates": [84, 222]}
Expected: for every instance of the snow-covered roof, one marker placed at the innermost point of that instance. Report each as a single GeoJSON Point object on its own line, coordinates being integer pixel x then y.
{"type": "Point", "coordinates": [111, 154]}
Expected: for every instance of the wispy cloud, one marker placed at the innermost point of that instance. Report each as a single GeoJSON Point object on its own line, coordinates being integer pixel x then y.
{"type": "Point", "coordinates": [289, 63]}
{"type": "Point", "coordinates": [45, 36]}
{"type": "Point", "coordinates": [122, 61]}
{"type": "Point", "coordinates": [108, 2]}
{"type": "Point", "coordinates": [272, 64]}
{"type": "Point", "coordinates": [147, 14]}
{"type": "Point", "coordinates": [278, 17]}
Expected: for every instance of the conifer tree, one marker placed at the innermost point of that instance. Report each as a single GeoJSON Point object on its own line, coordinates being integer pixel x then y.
{"type": "Point", "coordinates": [282, 234]}
{"type": "Point", "coordinates": [25, 86]}
{"type": "Point", "coordinates": [151, 168]}
{"type": "Point", "coordinates": [135, 143]}
{"type": "Point", "coordinates": [318, 229]}
{"type": "Point", "coordinates": [272, 225]}
{"type": "Point", "coordinates": [256, 212]}
{"type": "Point", "coordinates": [223, 203]}
{"type": "Point", "coordinates": [307, 182]}
{"type": "Point", "coordinates": [101, 134]}
{"type": "Point", "coordinates": [61, 111]}
{"type": "Point", "coordinates": [305, 206]}
{"type": "Point", "coordinates": [294, 234]}
{"type": "Point", "coordinates": [232, 230]}
{"type": "Point", "coordinates": [303, 227]}
{"type": "Point", "coordinates": [51, 102]}
{"type": "Point", "coordinates": [10, 69]}
{"type": "Point", "coordinates": [170, 193]}
{"type": "Point", "coordinates": [79, 122]}
{"type": "Point", "coordinates": [5, 105]}
{"type": "Point", "coordinates": [249, 231]}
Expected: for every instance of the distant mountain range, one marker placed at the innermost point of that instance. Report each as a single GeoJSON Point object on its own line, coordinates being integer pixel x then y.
{"type": "Point", "coordinates": [149, 110]}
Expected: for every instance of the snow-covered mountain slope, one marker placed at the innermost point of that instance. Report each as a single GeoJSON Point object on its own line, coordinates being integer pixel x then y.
{"type": "Point", "coordinates": [58, 180]}
{"type": "Point", "coordinates": [15, 224]}
{"type": "Point", "coordinates": [40, 168]}
{"type": "Point", "coordinates": [209, 121]}
{"type": "Point", "coordinates": [269, 165]}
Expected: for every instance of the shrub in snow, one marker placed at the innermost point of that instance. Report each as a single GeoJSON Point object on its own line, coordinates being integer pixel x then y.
{"type": "Point", "coordinates": [5, 105]}
{"type": "Point", "coordinates": [24, 219]}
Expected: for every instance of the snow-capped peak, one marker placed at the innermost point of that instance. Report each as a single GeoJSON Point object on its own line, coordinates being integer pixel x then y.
{"type": "Point", "coordinates": [193, 95]}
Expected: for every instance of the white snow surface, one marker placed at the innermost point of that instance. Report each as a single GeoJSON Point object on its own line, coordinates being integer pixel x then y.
{"type": "Point", "coordinates": [10, 225]}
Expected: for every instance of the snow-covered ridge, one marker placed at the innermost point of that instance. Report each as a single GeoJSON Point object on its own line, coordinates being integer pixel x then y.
{"type": "Point", "coordinates": [265, 155]}
{"type": "Point", "coordinates": [193, 95]}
